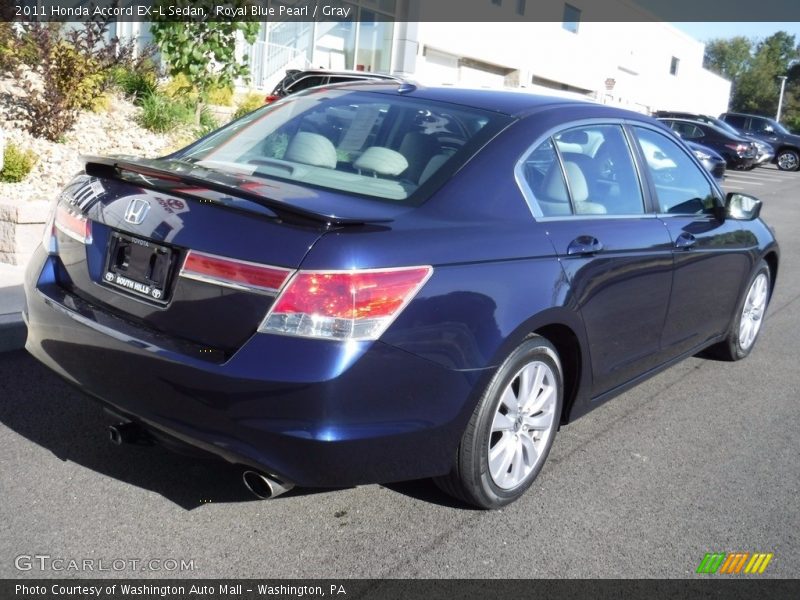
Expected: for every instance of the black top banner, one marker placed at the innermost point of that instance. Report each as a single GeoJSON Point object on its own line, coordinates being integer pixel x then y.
{"type": "Point", "coordinates": [402, 10]}
{"type": "Point", "coordinates": [395, 589]}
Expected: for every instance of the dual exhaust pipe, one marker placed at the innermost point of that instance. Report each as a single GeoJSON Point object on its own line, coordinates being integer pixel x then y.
{"type": "Point", "coordinates": [261, 485]}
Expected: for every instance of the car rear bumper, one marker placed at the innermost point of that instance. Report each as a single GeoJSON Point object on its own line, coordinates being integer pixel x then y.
{"type": "Point", "coordinates": [312, 412]}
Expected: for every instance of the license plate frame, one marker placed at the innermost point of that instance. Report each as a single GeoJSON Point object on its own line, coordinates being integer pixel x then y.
{"type": "Point", "coordinates": [140, 267]}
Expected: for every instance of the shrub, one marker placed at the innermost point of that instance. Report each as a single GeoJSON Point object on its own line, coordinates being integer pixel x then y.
{"type": "Point", "coordinates": [161, 113]}
{"type": "Point", "coordinates": [249, 103]}
{"type": "Point", "coordinates": [100, 104]}
{"type": "Point", "coordinates": [136, 81]}
{"type": "Point", "coordinates": [17, 164]}
{"type": "Point", "coordinates": [68, 70]}
{"type": "Point", "coordinates": [180, 87]}
{"type": "Point", "coordinates": [222, 96]}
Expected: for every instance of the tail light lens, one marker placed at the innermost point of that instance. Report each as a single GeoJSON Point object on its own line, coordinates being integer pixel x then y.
{"type": "Point", "coordinates": [740, 149]}
{"type": "Point", "coordinates": [73, 224]}
{"type": "Point", "coordinates": [271, 98]}
{"type": "Point", "coordinates": [238, 274]}
{"type": "Point", "coordinates": [344, 305]}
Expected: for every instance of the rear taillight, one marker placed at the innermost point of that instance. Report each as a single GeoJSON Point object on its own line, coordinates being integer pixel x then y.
{"type": "Point", "coordinates": [271, 98]}
{"type": "Point", "coordinates": [237, 274]}
{"type": "Point", "coordinates": [73, 224]}
{"type": "Point", "coordinates": [740, 149]}
{"type": "Point", "coordinates": [344, 305]}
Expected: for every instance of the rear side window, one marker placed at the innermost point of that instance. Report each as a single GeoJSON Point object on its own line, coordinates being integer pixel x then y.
{"type": "Point", "coordinates": [384, 146]}
{"type": "Point", "coordinates": [687, 131]}
{"type": "Point", "coordinates": [737, 121]}
{"type": "Point", "coordinates": [587, 170]}
{"type": "Point", "coordinates": [681, 187]}
{"type": "Point", "coordinates": [305, 83]}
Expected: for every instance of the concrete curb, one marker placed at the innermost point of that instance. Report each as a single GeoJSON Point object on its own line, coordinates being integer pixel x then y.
{"type": "Point", "coordinates": [13, 332]}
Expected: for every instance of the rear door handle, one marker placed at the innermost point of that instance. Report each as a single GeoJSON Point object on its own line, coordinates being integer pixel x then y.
{"type": "Point", "coordinates": [685, 241]}
{"type": "Point", "coordinates": [584, 244]}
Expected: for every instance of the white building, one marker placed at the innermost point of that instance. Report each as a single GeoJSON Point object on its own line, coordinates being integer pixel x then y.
{"type": "Point", "coordinates": [645, 65]}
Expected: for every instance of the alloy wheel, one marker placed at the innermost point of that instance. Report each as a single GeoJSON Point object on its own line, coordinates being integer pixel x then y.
{"type": "Point", "coordinates": [788, 161]}
{"type": "Point", "coordinates": [523, 423]}
{"type": "Point", "coordinates": [753, 311]}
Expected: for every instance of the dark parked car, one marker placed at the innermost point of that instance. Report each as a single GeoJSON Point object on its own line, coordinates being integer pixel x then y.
{"type": "Point", "coordinates": [297, 80]}
{"type": "Point", "coordinates": [377, 283]}
{"type": "Point", "coordinates": [712, 161]}
{"type": "Point", "coordinates": [738, 151]}
{"type": "Point", "coordinates": [765, 152]}
{"type": "Point", "coordinates": [786, 143]}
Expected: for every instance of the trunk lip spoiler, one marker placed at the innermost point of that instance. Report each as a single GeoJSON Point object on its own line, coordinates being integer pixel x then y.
{"type": "Point", "coordinates": [278, 207]}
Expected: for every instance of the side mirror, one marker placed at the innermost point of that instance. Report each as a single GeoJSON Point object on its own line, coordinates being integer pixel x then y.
{"type": "Point", "coordinates": [742, 207]}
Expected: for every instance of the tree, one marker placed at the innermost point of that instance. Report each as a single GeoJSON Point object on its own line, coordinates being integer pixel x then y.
{"type": "Point", "coordinates": [753, 68]}
{"type": "Point", "coordinates": [203, 51]}
{"type": "Point", "coordinates": [728, 58]}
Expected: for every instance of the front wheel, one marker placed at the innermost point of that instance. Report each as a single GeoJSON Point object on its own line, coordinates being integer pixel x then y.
{"type": "Point", "coordinates": [788, 160]}
{"type": "Point", "coordinates": [512, 429]}
{"type": "Point", "coordinates": [749, 316]}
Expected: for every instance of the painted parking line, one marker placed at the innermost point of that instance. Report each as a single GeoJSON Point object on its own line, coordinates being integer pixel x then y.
{"type": "Point", "coordinates": [772, 176]}
{"type": "Point", "coordinates": [744, 179]}
{"type": "Point", "coordinates": [748, 177]}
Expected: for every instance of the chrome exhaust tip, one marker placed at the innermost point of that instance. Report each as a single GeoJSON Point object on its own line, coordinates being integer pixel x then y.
{"type": "Point", "coordinates": [265, 486]}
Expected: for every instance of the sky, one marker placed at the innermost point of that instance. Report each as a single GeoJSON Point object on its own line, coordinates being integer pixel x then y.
{"type": "Point", "coordinates": [707, 31]}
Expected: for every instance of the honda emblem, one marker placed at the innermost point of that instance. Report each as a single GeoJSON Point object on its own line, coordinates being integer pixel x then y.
{"type": "Point", "coordinates": [137, 210]}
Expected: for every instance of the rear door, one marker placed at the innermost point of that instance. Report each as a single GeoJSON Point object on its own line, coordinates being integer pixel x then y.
{"type": "Point", "coordinates": [710, 252]}
{"type": "Point", "coordinates": [616, 254]}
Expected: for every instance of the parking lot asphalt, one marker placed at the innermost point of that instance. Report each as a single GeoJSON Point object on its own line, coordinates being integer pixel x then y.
{"type": "Point", "coordinates": [701, 458]}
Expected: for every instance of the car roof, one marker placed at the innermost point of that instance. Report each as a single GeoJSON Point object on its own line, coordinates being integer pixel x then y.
{"type": "Point", "coordinates": [342, 74]}
{"type": "Point", "coordinates": [515, 103]}
{"type": "Point", "coordinates": [741, 114]}
{"type": "Point", "coordinates": [695, 122]}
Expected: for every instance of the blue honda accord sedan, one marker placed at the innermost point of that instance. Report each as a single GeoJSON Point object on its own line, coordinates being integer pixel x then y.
{"type": "Point", "coordinates": [377, 282]}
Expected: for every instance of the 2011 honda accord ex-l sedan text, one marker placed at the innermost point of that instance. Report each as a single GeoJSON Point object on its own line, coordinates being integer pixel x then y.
{"type": "Point", "coordinates": [375, 282]}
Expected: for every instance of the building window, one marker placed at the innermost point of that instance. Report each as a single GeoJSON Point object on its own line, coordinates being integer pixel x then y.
{"type": "Point", "coordinates": [572, 18]}
{"type": "Point", "coordinates": [673, 66]}
{"type": "Point", "coordinates": [520, 7]}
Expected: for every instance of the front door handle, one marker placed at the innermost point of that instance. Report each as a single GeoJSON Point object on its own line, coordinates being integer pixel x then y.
{"type": "Point", "coordinates": [584, 244]}
{"type": "Point", "coordinates": [685, 241]}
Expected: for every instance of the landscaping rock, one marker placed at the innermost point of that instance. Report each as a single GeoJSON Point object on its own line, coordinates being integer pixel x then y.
{"type": "Point", "coordinates": [24, 206]}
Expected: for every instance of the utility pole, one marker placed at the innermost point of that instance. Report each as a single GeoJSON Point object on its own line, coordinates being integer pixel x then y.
{"type": "Point", "coordinates": [780, 98]}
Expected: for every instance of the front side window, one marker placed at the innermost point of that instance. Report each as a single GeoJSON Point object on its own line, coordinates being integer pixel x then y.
{"type": "Point", "coordinates": [681, 186]}
{"type": "Point", "coordinates": [763, 126]}
{"type": "Point", "coordinates": [376, 145]}
{"type": "Point", "coordinates": [587, 170]}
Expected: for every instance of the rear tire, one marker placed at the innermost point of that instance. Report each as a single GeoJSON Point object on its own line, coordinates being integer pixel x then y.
{"type": "Point", "coordinates": [750, 313]}
{"type": "Point", "coordinates": [788, 160]}
{"type": "Point", "coordinates": [512, 429]}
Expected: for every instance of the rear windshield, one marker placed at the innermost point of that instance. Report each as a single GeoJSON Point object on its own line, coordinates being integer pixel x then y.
{"type": "Point", "coordinates": [383, 146]}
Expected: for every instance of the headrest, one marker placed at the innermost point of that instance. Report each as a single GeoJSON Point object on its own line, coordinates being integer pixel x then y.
{"type": "Point", "coordinates": [311, 149]}
{"type": "Point", "coordinates": [382, 161]}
